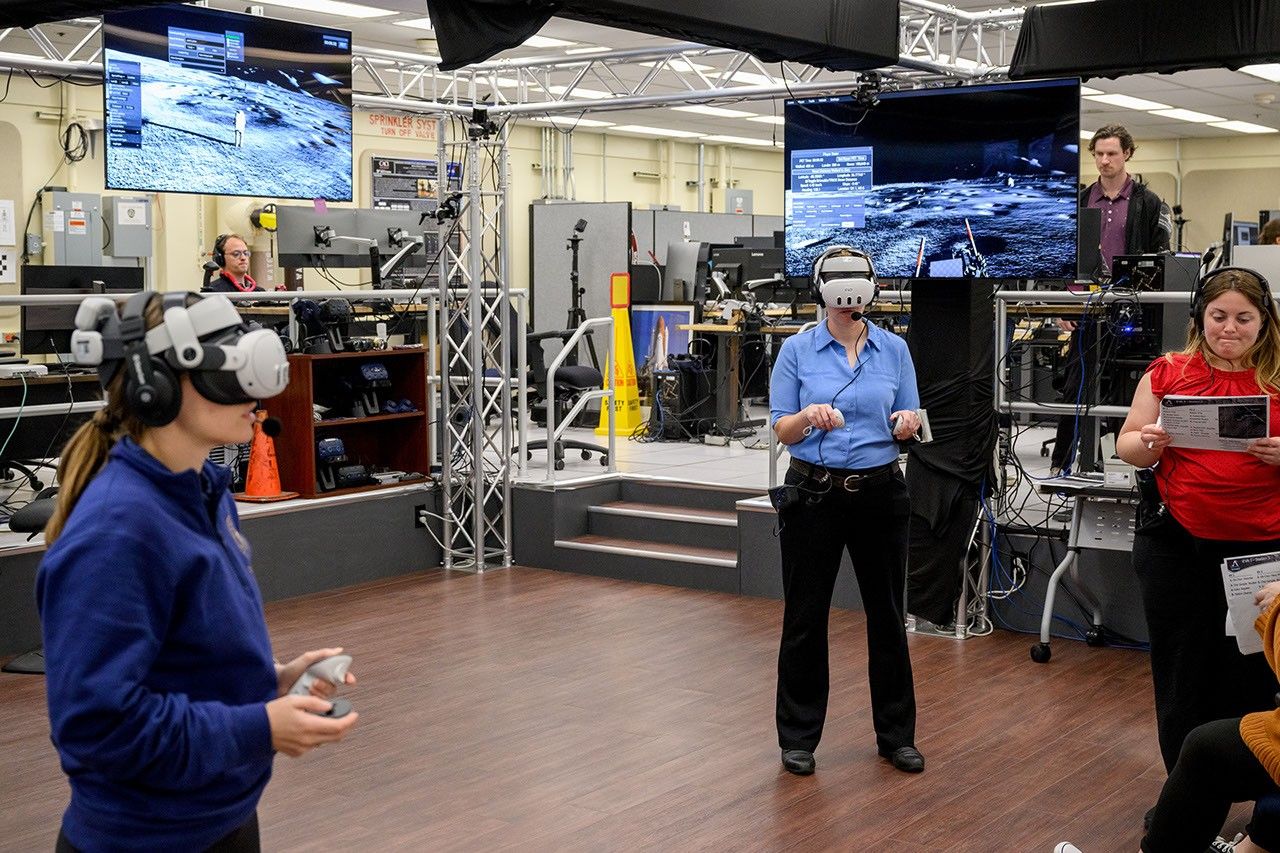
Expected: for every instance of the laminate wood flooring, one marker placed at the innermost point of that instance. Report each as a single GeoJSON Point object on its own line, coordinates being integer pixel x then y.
{"type": "Point", "coordinates": [535, 710]}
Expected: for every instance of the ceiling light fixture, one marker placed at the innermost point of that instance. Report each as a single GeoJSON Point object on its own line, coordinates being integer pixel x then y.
{"type": "Point", "coordinates": [545, 41]}
{"type": "Point", "coordinates": [416, 23]}
{"type": "Point", "coordinates": [656, 131]}
{"type": "Point", "coordinates": [1127, 102]}
{"type": "Point", "coordinates": [1244, 127]}
{"type": "Point", "coordinates": [1188, 115]}
{"type": "Point", "coordinates": [718, 112]}
{"type": "Point", "coordinates": [768, 119]}
{"type": "Point", "coordinates": [739, 140]}
{"type": "Point", "coordinates": [334, 7]}
{"type": "Point", "coordinates": [1266, 72]}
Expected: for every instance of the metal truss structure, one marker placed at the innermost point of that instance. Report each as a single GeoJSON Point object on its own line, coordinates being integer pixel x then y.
{"type": "Point", "coordinates": [474, 332]}
{"type": "Point", "coordinates": [937, 43]}
{"type": "Point", "coordinates": [475, 324]}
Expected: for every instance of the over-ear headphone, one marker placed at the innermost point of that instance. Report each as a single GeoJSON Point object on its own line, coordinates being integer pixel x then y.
{"type": "Point", "coordinates": [227, 361]}
{"type": "Point", "coordinates": [1197, 298]}
{"type": "Point", "coordinates": [844, 277]}
{"type": "Point", "coordinates": [219, 250]}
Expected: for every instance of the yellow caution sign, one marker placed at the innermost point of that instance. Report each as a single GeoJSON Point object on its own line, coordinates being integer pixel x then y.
{"type": "Point", "coordinates": [626, 393]}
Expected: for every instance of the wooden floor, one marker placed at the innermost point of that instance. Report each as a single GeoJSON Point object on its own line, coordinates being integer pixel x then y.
{"type": "Point", "coordinates": [533, 710]}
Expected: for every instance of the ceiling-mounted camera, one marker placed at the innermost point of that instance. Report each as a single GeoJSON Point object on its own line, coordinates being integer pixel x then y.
{"type": "Point", "coordinates": [480, 126]}
{"type": "Point", "coordinates": [867, 92]}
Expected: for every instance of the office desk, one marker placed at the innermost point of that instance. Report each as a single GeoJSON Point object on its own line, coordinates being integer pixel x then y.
{"type": "Point", "coordinates": [1102, 518]}
{"type": "Point", "coordinates": [729, 338]}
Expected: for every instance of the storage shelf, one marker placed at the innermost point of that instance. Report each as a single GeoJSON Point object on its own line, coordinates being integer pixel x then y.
{"type": "Point", "coordinates": [338, 422]}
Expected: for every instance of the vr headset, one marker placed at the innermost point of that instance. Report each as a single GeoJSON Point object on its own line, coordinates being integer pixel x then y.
{"type": "Point", "coordinates": [844, 277]}
{"type": "Point", "coordinates": [227, 361]}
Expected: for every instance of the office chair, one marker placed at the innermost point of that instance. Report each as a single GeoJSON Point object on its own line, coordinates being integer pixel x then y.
{"type": "Point", "coordinates": [572, 380]}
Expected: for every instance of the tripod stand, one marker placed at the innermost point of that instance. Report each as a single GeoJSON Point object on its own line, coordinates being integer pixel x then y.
{"type": "Point", "coordinates": [577, 314]}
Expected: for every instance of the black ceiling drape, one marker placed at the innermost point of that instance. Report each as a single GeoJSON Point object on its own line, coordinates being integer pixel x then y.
{"type": "Point", "coordinates": [1111, 38]}
{"type": "Point", "coordinates": [843, 35]}
{"type": "Point", "coordinates": [27, 13]}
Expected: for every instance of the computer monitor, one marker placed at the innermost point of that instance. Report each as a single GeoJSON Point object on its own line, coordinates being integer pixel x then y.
{"type": "Point", "coordinates": [685, 279]}
{"type": "Point", "coordinates": [742, 265]}
{"type": "Point", "coordinates": [1236, 232]}
{"type": "Point", "coordinates": [46, 329]}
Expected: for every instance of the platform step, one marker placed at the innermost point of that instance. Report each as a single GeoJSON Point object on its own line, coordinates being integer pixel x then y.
{"type": "Point", "coordinates": [667, 512]}
{"type": "Point", "coordinates": [651, 550]}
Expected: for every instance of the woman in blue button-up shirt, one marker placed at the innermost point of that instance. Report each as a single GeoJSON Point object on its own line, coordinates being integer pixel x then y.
{"type": "Point", "coordinates": [836, 392]}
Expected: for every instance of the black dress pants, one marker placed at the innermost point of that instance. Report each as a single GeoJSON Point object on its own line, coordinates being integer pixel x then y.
{"type": "Point", "coordinates": [1198, 671]}
{"type": "Point", "coordinates": [242, 839]}
{"type": "Point", "coordinates": [1214, 770]}
{"type": "Point", "coordinates": [872, 524]}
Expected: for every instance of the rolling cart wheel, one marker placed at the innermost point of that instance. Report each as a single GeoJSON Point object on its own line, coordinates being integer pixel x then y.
{"type": "Point", "coordinates": [1044, 451]}
{"type": "Point", "coordinates": [604, 459]}
{"type": "Point", "coordinates": [1093, 637]}
{"type": "Point", "coordinates": [1040, 653]}
{"type": "Point", "coordinates": [586, 454]}
{"type": "Point", "coordinates": [559, 464]}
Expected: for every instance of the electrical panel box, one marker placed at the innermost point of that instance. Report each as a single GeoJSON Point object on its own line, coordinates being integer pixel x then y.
{"type": "Point", "coordinates": [738, 201]}
{"type": "Point", "coordinates": [72, 228]}
{"type": "Point", "coordinates": [128, 221]}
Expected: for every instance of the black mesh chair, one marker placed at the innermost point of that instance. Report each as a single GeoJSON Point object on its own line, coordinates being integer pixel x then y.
{"type": "Point", "coordinates": [572, 380]}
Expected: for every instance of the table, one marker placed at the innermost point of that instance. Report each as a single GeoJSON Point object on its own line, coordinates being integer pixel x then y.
{"type": "Point", "coordinates": [1102, 518]}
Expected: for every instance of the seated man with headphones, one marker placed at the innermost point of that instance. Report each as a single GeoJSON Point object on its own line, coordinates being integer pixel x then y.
{"type": "Point", "coordinates": [1207, 505]}
{"type": "Point", "coordinates": [231, 257]}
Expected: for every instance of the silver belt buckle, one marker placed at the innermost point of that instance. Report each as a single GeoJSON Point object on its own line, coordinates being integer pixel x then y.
{"type": "Point", "coordinates": [850, 483]}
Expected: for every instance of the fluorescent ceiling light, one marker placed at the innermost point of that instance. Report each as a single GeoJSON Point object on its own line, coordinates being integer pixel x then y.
{"type": "Point", "coordinates": [569, 121]}
{"type": "Point", "coordinates": [334, 7]}
{"type": "Point", "coordinates": [739, 140]}
{"type": "Point", "coordinates": [1187, 115]}
{"type": "Point", "coordinates": [1243, 127]}
{"type": "Point", "coordinates": [579, 51]}
{"type": "Point", "coordinates": [1128, 103]}
{"type": "Point", "coordinates": [1087, 134]}
{"type": "Point", "coordinates": [681, 65]}
{"type": "Point", "coordinates": [718, 112]}
{"type": "Point", "coordinates": [1266, 72]}
{"type": "Point", "coordinates": [768, 119]}
{"type": "Point", "coordinates": [416, 23]}
{"type": "Point", "coordinates": [751, 78]}
{"type": "Point", "coordinates": [544, 41]}
{"type": "Point", "coordinates": [1089, 90]}
{"type": "Point", "coordinates": [656, 131]}
{"type": "Point", "coordinates": [579, 92]}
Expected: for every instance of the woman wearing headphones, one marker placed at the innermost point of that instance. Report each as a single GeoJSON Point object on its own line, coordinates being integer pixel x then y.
{"type": "Point", "coordinates": [1211, 504]}
{"type": "Point", "coordinates": [840, 394]}
{"type": "Point", "coordinates": [165, 703]}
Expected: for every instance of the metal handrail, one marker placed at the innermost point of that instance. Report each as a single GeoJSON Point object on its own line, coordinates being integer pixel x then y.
{"type": "Point", "coordinates": [553, 433]}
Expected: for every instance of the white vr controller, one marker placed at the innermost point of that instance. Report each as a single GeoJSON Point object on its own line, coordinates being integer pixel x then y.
{"type": "Point", "coordinates": [330, 669]}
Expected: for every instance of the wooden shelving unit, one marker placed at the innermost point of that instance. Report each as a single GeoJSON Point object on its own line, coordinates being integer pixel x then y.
{"type": "Point", "coordinates": [389, 441]}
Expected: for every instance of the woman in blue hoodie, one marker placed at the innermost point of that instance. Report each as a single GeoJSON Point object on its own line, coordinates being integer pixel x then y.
{"type": "Point", "coordinates": [165, 703]}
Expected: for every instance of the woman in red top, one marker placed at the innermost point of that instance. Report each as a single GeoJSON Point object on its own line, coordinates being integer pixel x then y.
{"type": "Point", "coordinates": [1214, 504]}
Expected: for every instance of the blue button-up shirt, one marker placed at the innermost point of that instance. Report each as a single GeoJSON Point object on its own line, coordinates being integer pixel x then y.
{"type": "Point", "coordinates": [813, 367]}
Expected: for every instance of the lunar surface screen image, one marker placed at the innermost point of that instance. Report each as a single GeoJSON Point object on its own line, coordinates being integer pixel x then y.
{"type": "Point", "coordinates": [199, 101]}
{"type": "Point", "coordinates": [938, 183]}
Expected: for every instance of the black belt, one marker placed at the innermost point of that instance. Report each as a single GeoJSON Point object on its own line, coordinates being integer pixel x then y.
{"type": "Point", "coordinates": [850, 479]}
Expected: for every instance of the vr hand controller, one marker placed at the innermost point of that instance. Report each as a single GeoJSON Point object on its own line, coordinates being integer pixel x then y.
{"type": "Point", "coordinates": [330, 669]}
{"type": "Point", "coordinates": [835, 414]}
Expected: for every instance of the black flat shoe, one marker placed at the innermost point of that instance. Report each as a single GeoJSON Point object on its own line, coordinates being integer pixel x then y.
{"type": "Point", "coordinates": [798, 761]}
{"type": "Point", "coordinates": [906, 758]}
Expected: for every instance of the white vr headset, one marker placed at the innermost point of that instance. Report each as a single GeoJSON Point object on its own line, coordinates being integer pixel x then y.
{"type": "Point", "coordinates": [239, 365]}
{"type": "Point", "coordinates": [844, 277]}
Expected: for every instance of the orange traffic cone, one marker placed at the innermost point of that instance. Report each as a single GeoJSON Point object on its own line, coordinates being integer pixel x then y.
{"type": "Point", "coordinates": [263, 483]}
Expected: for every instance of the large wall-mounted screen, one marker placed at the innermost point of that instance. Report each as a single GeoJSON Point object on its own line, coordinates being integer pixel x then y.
{"type": "Point", "coordinates": [966, 181]}
{"type": "Point", "coordinates": [202, 101]}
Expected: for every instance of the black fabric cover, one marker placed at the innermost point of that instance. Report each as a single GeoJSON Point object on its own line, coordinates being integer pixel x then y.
{"type": "Point", "coordinates": [27, 13]}
{"type": "Point", "coordinates": [842, 35]}
{"type": "Point", "coordinates": [469, 31]}
{"type": "Point", "coordinates": [953, 348]}
{"type": "Point", "coordinates": [1110, 38]}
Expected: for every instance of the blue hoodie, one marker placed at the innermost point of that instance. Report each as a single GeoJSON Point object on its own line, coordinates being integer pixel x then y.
{"type": "Point", "coordinates": [159, 665]}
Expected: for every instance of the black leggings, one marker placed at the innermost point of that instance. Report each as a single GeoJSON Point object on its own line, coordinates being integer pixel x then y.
{"type": "Point", "coordinates": [1214, 770]}
{"type": "Point", "coordinates": [243, 839]}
